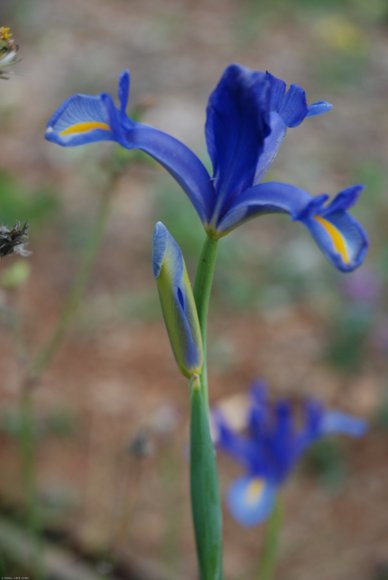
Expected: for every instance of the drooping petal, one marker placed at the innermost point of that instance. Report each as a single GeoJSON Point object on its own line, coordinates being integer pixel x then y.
{"type": "Point", "coordinates": [269, 197]}
{"type": "Point", "coordinates": [80, 119]}
{"type": "Point", "coordinates": [251, 500]}
{"type": "Point", "coordinates": [340, 237]}
{"type": "Point", "coordinates": [180, 162]}
{"type": "Point", "coordinates": [236, 126]}
{"type": "Point", "coordinates": [84, 119]}
{"type": "Point", "coordinates": [177, 302]}
{"type": "Point", "coordinates": [334, 422]}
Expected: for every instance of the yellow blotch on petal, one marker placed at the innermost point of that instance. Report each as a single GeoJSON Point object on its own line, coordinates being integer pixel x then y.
{"type": "Point", "coordinates": [254, 490]}
{"type": "Point", "coordinates": [336, 237]}
{"type": "Point", "coordinates": [84, 127]}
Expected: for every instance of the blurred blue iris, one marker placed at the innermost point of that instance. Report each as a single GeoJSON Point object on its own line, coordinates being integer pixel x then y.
{"type": "Point", "coordinates": [248, 115]}
{"type": "Point", "coordinates": [271, 447]}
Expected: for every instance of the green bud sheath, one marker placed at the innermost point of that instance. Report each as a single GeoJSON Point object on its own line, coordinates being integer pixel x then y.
{"type": "Point", "coordinates": [177, 302]}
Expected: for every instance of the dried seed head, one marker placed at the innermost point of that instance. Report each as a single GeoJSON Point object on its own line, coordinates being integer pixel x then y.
{"type": "Point", "coordinates": [14, 240]}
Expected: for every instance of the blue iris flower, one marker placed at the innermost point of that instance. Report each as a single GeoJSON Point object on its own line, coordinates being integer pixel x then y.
{"type": "Point", "coordinates": [248, 115]}
{"type": "Point", "coordinates": [271, 447]}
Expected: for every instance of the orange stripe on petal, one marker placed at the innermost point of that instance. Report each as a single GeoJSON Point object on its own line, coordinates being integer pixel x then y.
{"type": "Point", "coordinates": [336, 237]}
{"type": "Point", "coordinates": [84, 127]}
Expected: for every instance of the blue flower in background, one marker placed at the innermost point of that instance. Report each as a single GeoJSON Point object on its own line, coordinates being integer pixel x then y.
{"type": "Point", "coordinates": [271, 447]}
{"type": "Point", "coordinates": [248, 115]}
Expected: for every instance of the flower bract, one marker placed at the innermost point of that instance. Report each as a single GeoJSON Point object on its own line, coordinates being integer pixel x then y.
{"type": "Point", "coordinates": [177, 302]}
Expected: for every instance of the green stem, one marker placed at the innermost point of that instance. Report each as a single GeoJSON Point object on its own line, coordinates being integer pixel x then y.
{"type": "Point", "coordinates": [45, 355]}
{"type": "Point", "coordinates": [205, 497]}
{"type": "Point", "coordinates": [202, 290]}
{"type": "Point", "coordinates": [271, 543]}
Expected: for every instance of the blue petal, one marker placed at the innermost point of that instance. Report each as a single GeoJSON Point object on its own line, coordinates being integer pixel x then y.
{"type": "Point", "coordinates": [80, 119]}
{"type": "Point", "coordinates": [179, 161]}
{"type": "Point", "coordinates": [236, 127]}
{"type": "Point", "coordinates": [336, 422]}
{"type": "Point", "coordinates": [123, 91]}
{"type": "Point", "coordinates": [251, 500]}
{"type": "Point", "coordinates": [240, 448]}
{"type": "Point", "coordinates": [341, 238]}
{"type": "Point", "coordinates": [177, 301]}
{"type": "Point", "coordinates": [293, 108]}
{"type": "Point", "coordinates": [319, 108]}
{"type": "Point", "coordinates": [269, 197]}
{"type": "Point", "coordinates": [287, 109]}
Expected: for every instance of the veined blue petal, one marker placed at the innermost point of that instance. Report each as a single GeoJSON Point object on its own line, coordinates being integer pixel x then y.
{"type": "Point", "coordinates": [251, 500]}
{"type": "Point", "coordinates": [293, 108]}
{"type": "Point", "coordinates": [180, 162]}
{"type": "Point", "coordinates": [269, 197]}
{"type": "Point", "coordinates": [80, 119]}
{"type": "Point", "coordinates": [288, 108]}
{"type": "Point", "coordinates": [236, 126]}
{"type": "Point", "coordinates": [341, 238]}
{"type": "Point", "coordinates": [177, 302]}
{"type": "Point", "coordinates": [334, 422]}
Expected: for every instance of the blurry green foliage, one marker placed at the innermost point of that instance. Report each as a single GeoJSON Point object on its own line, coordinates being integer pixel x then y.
{"type": "Point", "coordinates": [19, 204]}
{"type": "Point", "coordinates": [348, 336]}
{"type": "Point", "coordinates": [15, 274]}
{"type": "Point", "coordinates": [326, 461]}
{"type": "Point", "coordinates": [58, 423]}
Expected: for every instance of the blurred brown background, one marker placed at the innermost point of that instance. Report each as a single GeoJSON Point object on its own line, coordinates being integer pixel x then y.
{"type": "Point", "coordinates": [111, 412]}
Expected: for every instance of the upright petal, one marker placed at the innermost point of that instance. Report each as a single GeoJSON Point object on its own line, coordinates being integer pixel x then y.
{"type": "Point", "coordinates": [177, 302]}
{"type": "Point", "coordinates": [236, 127]}
{"type": "Point", "coordinates": [288, 108]}
{"type": "Point", "coordinates": [251, 500]}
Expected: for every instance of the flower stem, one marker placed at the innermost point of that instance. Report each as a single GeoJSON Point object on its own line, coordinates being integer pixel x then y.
{"type": "Point", "coordinates": [202, 290]}
{"type": "Point", "coordinates": [205, 497]}
{"type": "Point", "coordinates": [271, 542]}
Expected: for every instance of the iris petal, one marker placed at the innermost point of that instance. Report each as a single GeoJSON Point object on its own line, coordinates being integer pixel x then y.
{"type": "Point", "coordinates": [236, 127]}
{"type": "Point", "coordinates": [337, 422]}
{"type": "Point", "coordinates": [341, 238]}
{"type": "Point", "coordinates": [251, 500]}
{"type": "Point", "coordinates": [179, 161]}
{"type": "Point", "coordinates": [81, 119]}
{"type": "Point", "coordinates": [269, 197]}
